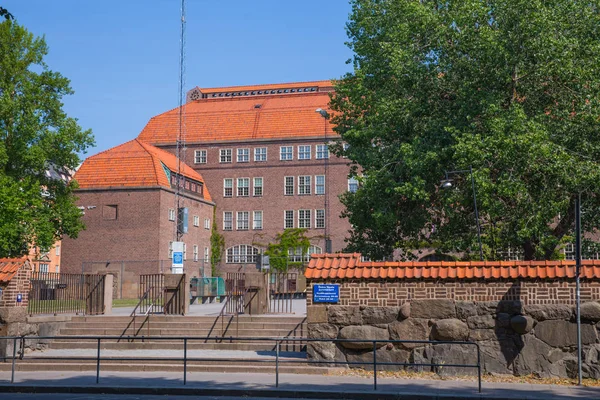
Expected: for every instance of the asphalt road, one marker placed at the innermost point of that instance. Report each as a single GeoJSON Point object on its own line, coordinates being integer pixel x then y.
{"type": "Point", "coordinates": [62, 396]}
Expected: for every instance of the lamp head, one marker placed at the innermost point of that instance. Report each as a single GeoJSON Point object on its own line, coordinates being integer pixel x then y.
{"type": "Point", "coordinates": [323, 113]}
{"type": "Point", "coordinates": [446, 184]}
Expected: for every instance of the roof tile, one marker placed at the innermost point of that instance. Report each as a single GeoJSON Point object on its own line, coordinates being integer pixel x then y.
{"type": "Point", "coordinates": [9, 267]}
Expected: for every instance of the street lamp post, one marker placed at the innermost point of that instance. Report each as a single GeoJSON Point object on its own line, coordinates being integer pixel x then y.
{"type": "Point", "coordinates": [577, 283]}
{"type": "Point", "coordinates": [325, 116]}
{"type": "Point", "coordinates": [447, 184]}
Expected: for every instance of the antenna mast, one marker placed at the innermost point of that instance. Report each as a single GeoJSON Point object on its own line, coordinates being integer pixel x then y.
{"type": "Point", "coordinates": [180, 143]}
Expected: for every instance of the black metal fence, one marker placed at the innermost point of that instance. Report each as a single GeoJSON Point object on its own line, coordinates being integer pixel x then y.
{"type": "Point", "coordinates": [58, 293]}
{"type": "Point", "coordinates": [235, 290]}
{"type": "Point", "coordinates": [151, 294]}
{"type": "Point", "coordinates": [374, 364]}
{"type": "Point", "coordinates": [282, 289]}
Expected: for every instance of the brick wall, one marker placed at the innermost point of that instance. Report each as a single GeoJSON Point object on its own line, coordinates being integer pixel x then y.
{"type": "Point", "coordinates": [396, 293]}
{"type": "Point", "coordinates": [19, 284]}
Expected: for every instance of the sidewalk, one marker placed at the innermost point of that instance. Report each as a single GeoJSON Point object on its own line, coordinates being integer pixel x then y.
{"type": "Point", "coordinates": [290, 386]}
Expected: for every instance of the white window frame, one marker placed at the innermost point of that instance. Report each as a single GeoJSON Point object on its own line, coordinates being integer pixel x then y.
{"type": "Point", "coordinates": [287, 151]}
{"type": "Point", "coordinates": [200, 157]}
{"type": "Point", "coordinates": [57, 250]}
{"type": "Point", "coordinates": [352, 182]}
{"type": "Point", "coordinates": [287, 192]}
{"type": "Point", "coordinates": [304, 185]}
{"type": "Point", "coordinates": [321, 219]}
{"type": "Point", "coordinates": [227, 193]}
{"type": "Point", "coordinates": [319, 185]}
{"type": "Point", "coordinates": [195, 252]}
{"type": "Point", "coordinates": [227, 220]}
{"type": "Point", "coordinates": [288, 216]}
{"type": "Point", "coordinates": [258, 154]}
{"type": "Point", "coordinates": [225, 156]}
{"type": "Point", "coordinates": [196, 220]}
{"type": "Point", "coordinates": [207, 224]}
{"type": "Point", "coordinates": [304, 218]}
{"type": "Point", "coordinates": [206, 255]}
{"type": "Point", "coordinates": [243, 187]}
{"type": "Point", "coordinates": [322, 151]}
{"type": "Point", "coordinates": [44, 267]}
{"type": "Point", "coordinates": [171, 214]}
{"type": "Point", "coordinates": [242, 220]}
{"type": "Point", "coordinates": [242, 254]}
{"type": "Point", "coordinates": [243, 155]}
{"type": "Point", "coordinates": [260, 192]}
{"type": "Point", "coordinates": [257, 220]}
{"type": "Point", "coordinates": [184, 252]}
{"type": "Point", "coordinates": [304, 152]}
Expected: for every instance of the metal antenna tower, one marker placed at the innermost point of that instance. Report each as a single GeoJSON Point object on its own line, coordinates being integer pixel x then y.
{"type": "Point", "coordinates": [180, 143]}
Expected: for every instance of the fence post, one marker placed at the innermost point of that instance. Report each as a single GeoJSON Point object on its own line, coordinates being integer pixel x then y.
{"type": "Point", "coordinates": [184, 361]}
{"type": "Point", "coordinates": [14, 358]}
{"type": "Point", "coordinates": [478, 367]}
{"type": "Point", "coordinates": [277, 363]}
{"type": "Point", "coordinates": [98, 363]}
{"type": "Point", "coordinates": [374, 364]}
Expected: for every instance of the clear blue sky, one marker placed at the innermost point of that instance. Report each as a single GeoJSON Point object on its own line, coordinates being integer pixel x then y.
{"type": "Point", "coordinates": [122, 57]}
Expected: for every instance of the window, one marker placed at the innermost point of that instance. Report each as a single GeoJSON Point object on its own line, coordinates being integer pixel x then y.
{"type": "Point", "coordinates": [241, 254]}
{"type": "Point", "coordinates": [243, 155]}
{"type": "Point", "coordinates": [200, 157]}
{"type": "Point", "coordinates": [322, 151]}
{"type": "Point", "coordinates": [171, 214]}
{"type": "Point", "coordinates": [170, 249]}
{"type": "Point", "coordinates": [257, 221]}
{"type": "Point", "coordinates": [346, 148]}
{"type": "Point", "coordinates": [242, 220]}
{"type": "Point", "coordinates": [196, 220]}
{"type": "Point", "coordinates": [195, 252]}
{"type": "Point", "coordinates": [319, 218]}
{"type": "Point", "coordinates": [304, 184]}
{"type": "Point", "coordinates": [43, 267]}
{"type": "Point", "coordinates": [289, 186]}
{"type": "Point", "coordinates": [260, 154]}
{"type": "Point", "coordinates": [297, 255]}
{"type": "Point", "coordinates": [57, 250]}
{"type": "Point", "coordinates": [206, 256]}
{"type": "Point", "coordinates": [225, 155]}
{"type": "Point", "coordinates": [109, 212]}
{"type": "Point", "coordinates": [228, 220]}
{"type": "Point", "coordinates": [207, 223]}
{"type": "Point", "coordinates": [286, 153]}
{"type": "Point", "coordinates": [303, 218]}
{"type": "Point", "coordinates": [352, 185]}
{"type": "Point", "coordinates": [511, 254]}
{"type": "Point", "coordinates": [56, 269]}
{"type": "Point", "coordinates": [320, 184]}
{"type": "Point", "coordinates": [303, 152]}
{"type": "Point", "coordinates": [258, 186]}
{"type": "Point", "coordinates": [227, 187]}
{"type": "Point", "coordinates": [184, 252]}
{"type": "Point", "coordinates": [288, 216]}
{"type": "Point", "coordinates": [243, 187]}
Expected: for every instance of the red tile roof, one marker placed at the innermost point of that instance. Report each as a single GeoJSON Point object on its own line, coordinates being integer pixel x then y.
{"type": "Point", "coordinates": [9, 267]}
{"type": "Point", "coordinates": [132, 164]}
{"type": "Point", "coordinates": [281, 116]}
{"type": "Point", "coordinates": [349, 266]}
{"type": "Point", "coordinates": [270, 86]}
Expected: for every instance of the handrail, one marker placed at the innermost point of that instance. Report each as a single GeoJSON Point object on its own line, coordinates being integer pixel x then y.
{"type": "Point", "coordinates": [278, 340]}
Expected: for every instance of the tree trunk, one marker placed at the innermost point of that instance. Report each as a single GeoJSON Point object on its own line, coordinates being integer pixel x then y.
{"type": "Point", "coordinates": [528, 250]}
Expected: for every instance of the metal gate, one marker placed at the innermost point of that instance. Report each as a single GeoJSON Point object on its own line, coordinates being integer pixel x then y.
{"type": "Point", "coordinates": [282, 289]}
{"type": "Point", "coordinates": [235, 290]}
{"type": "Point", "coordinates": [151, 294]}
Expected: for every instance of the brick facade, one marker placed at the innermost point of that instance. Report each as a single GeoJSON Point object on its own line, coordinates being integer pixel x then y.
{"type": "Point", "coordinates": [19, 284]}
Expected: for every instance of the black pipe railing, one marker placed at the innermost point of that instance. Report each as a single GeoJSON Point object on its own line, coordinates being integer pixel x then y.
{"type": "Point", "coordinates": [278, 359]}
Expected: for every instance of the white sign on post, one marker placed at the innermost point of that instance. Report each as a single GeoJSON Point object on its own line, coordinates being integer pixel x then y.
{"type": "Point", "coordinates": [177, 265]}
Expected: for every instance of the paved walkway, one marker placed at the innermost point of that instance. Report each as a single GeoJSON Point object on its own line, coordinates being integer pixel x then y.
{"type": "Point", "coordinates": [290, 385]}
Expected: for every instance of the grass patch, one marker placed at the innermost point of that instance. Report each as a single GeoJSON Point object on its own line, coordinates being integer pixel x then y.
{"type": "Point", "coordinates": [51, 306]}
{"type": "Point", "coordinates": [125, 302]}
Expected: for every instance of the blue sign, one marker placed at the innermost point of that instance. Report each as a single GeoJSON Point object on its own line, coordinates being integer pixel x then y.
{"type": "Point", "coordinates": [326, 293]}
{"type": "Point", "coordinates": [177, 258]}
{"type": "Point", "coordinates": [19, 298]}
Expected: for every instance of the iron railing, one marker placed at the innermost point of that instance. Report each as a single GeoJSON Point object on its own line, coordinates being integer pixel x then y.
{"type": "Point", "coordinates": [235, 289]}
{"type": "Point", "coordinates": [151, 293]}
{"type": "Point", "coordinates": [184, 359]}
{"type": "Point", "coordinates": [59, 293]}
{"type": "Point", "coordinates": [282, 289]}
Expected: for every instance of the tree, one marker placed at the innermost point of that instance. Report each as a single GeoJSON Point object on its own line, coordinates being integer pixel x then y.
{"type": "Point", "coordinates": [217, 245]}
{"type": "Point", "coordinates": [279, 251]}
{"type": "Point", "coordinates": [35, 135]}
{"type": "Point", "coordinates": [509, 87]}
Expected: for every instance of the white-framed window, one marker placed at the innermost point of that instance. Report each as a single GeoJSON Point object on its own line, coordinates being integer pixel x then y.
{"type": "Point", "coordinates": [57, 250]}
{"type": "Point", "coordinates": [196, 220]}
{"type": "Point", "coordinates": [352, 185]}
{"type": "Point", "coordinates": [319, 184]}
{"type": "Point", "coordinates": [322, 151]}
{"type": "Point", "coordinates": [257, 220]}
{"type": "Point", "coordinates": [170, 249]}
{"type": "Point", "coordinates": [228, 187]}
{"type": "Point", "coordinates": [227, 220]}
{"type": "Point", "coordinates": [207, 224]}
{"type": "Point", "coordinates": [225, 155]}
{"type": "Point", "coordinates": [297, 255]}
{"type": "Point", "coordinates": [57, 269]}
{"type": "Point", "coordinates": [511, 254]}
{"type": "Point", "coordinates": [286, 153]}
{"type": "Point", "coordinates": [304, 184]}
{"type": "Point", "coordinates": [241, 254]}
{"type": "Point", "coordinates": [200, 157]}
{"type": "Point", "coordinates": [288, 186]}
{"type": "Point", "coordinates": [288, 219]}
{"type": "Point", "coordinates": [44, 268]}
{"type": "Point", "coordinates": [260, 154]}
{"type": "Point", "coordinates": [304, 152]}
{"type": "Point", "coordinates": [243, 187]}
{"type": "Point", "coordinates": [242, 220]}
{"type": "Point", "coordinates": [171, 214]}
{"type": "Point", "coordinates": [195, 252]}
{"type": "Point", "coordinates": [303, 218]}
{"type": "Point", "coordinates": [258, 187]}
{"type": "Point", "coordinates": [319, 218]}
{"type": "Point", "coordinates": [346, 148]}
{"type": "Point", "coordinates": [206, 255]}
{"type": "Point", "coordinates": [243, 155]}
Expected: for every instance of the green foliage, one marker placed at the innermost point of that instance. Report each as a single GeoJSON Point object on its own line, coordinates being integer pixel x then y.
{"type": "Point", "coordinates": [35, 133]}
{"type": "Point", "coordinates": [217, 245]}
{"type": "Point", "coordinates": [509, 87]}
{"type": "Point", "coordinates": [289, 239]}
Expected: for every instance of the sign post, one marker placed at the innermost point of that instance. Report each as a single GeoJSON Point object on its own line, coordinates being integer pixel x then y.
{"type": "Point", "coordinates": [177, 265]}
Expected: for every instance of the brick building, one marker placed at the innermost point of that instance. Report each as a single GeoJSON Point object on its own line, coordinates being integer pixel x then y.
{"type": "Point", "coordinates": [128, 197]}
{"type": "Point", "coordinates": [263, 153]}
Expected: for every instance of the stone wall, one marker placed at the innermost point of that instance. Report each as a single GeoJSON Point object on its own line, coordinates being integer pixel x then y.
{"type": "Point", "coordinates": [397, 292]}
{"type": "Point", "coordinates": [515, 338]}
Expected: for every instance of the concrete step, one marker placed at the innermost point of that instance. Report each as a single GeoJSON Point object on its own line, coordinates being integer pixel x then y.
{"type": "Point", "coordinates": [186, 325]}
{"type": "Point", "coordinates": [190, 319]}
{"type": "Point", "coordinates": [180, 332]}
{"type": "Point", "coordinates": [171, 345]}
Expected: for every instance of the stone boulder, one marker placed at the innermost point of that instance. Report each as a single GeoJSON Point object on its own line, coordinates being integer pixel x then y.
{"type": "Point", "coordinates": [454, 354]}
{"type": "Point", "coordinates": [548, 312]}
{"type": "Point", "coordinates": [481, 322]}
{"type": "Point", "coordinates": [559, 333]}
{"type": "Point", "coordinates": [384, 355]}
{"type": "Point", "coordinates": [487, 307]}
{"type": "Point", "coordinates": [363, 332]}
{"type": "Point", "coordinates": [325, 351]}
{"type": "Point", "coordinates": [533, 357]}
{"type": "Point", "coordinates": [410, 329]}
{"type": "Point", "coordinates": [497, 356]}
{"type": "Point", "coordinates": [522, 324]}
{"type": "Point", "coordinates": [322, 331]}
{"type": "Point", "coordinates": [465, 309]}
{"type": "Point", "coordinates": [433, 309]}
{"type": "Point", "coordinates": [344, 315]}
{"type": "Point", "coordinates": [590, 311]}
{"type": "Point", "coordinates": [502, 320]}
{"type": "Point", "coordinates": [478, 335]}
{"type": "Point", "coordinates": [404, 311]}
{"type": "Point", "coordinates": [450, 329]}
{"type": "Point", "coordinates": [13, 314]}
{"type": "Point", "coordinates": [379, 315]}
